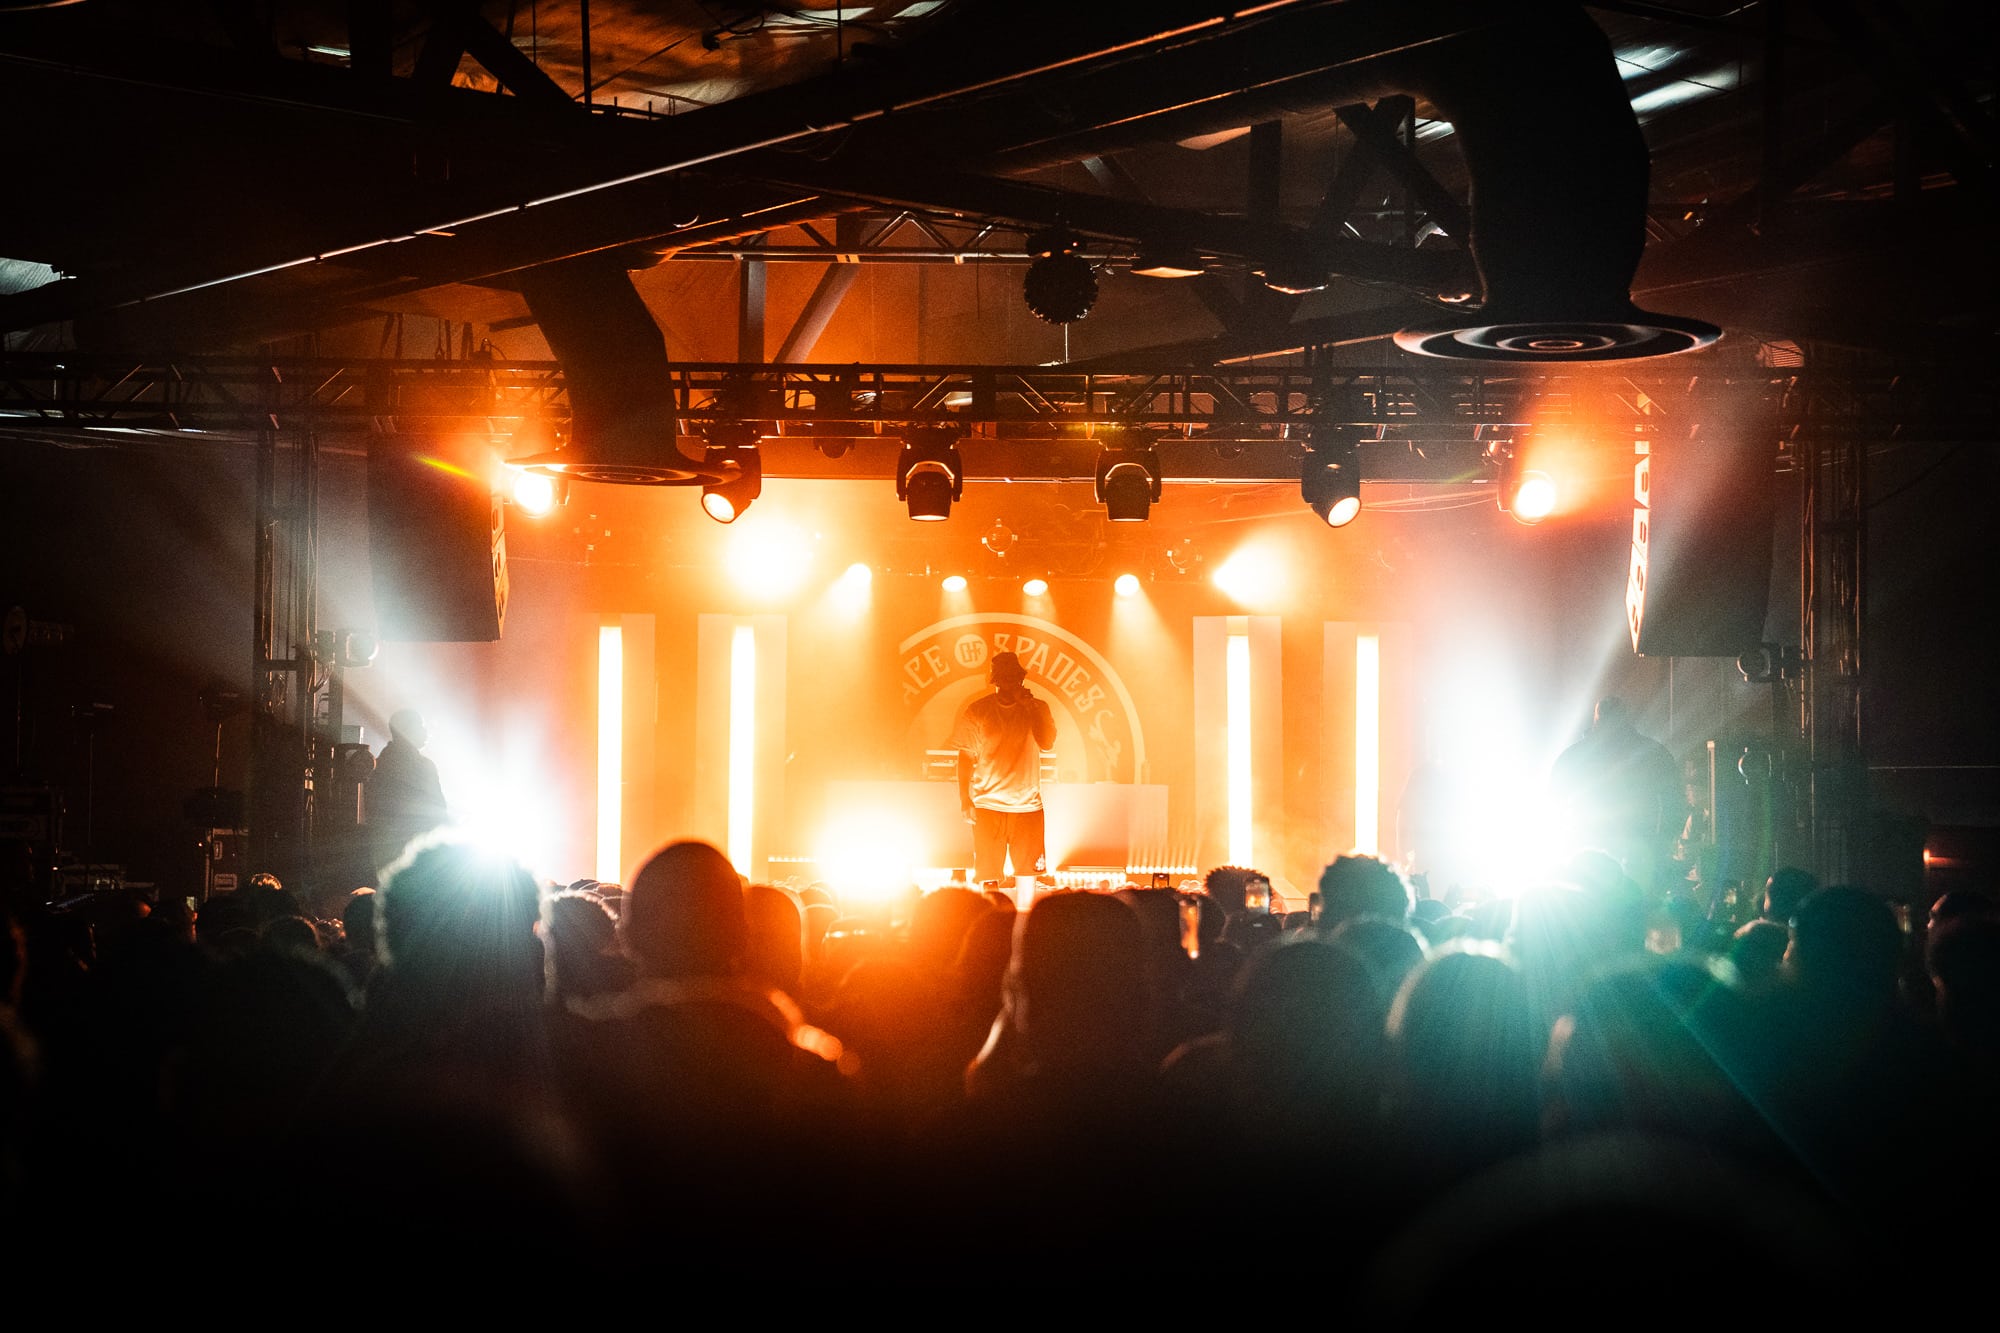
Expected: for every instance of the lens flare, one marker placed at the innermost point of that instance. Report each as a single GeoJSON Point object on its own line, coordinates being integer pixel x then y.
{"type": "Point", "coordinates": [1253, 575]}
{"type": "Point", "coordinates": [768, 559]}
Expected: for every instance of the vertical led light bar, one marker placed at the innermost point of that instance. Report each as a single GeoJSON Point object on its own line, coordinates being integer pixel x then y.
{"type": "Point", "coordinates": [610, 751]}
{"type": "Point", "coordinates": [1236, 688]}
{"type": "Point", "coordinates": [1367, 743]}
{"type": "Point", "coordinates": [742, 743]}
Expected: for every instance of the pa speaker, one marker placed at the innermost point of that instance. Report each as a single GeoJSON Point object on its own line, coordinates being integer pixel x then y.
{"type": "Point", "coordinates": [437, 546]}
{"type": "Point", "coordinates": [1700, 574]}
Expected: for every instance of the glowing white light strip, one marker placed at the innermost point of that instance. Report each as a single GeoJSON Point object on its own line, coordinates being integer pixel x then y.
{"type": "Point", "coordinates": [610, 751]}
{"type": "Point", "coordinates": [1367, 743]}
{"type": "Point", "coordinates": [1236, 685]}
{"type": "Point", "coordinates": [742, 742]}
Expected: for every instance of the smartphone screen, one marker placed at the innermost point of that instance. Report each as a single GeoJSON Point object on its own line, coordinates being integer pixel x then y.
{"type": "Point", "coordinates": [1257, 894]}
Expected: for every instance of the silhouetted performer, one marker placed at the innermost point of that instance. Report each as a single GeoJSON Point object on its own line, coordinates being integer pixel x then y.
{"type": "Point", "coordinates": [1621, 792]}
{"type": "Point", "coordinates": [404, 797]}
{"type": "Point", "coordinates": [1000, 738]}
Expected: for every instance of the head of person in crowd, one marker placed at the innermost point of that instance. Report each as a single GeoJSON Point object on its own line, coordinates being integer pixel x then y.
{"type": "Point", "coordinates": [1077, 989]}
{"type": "Point", "coordinates": [458, 920]}
{"type": "Point", "coordinates": [1391, 951]}
{"type": "Point", "coordinates": [1226, 886]}
{"type": "Point", "coordinates": [583, 946]}
{"type": "Point", "coordinates": [1784, 891]}
{"type": "Point", "coordinates": [1758, 952]}
{"type": "Point", "coordinates": [1846, 947]}
{"type": "Point", "coordinates": [1962, 956]}
{"type": "Point", "coordinates": [1305, 1023]}
{"type": "Point", "coordinates": [1358, 885]}
{"type": "Point", "coordinates": [1467, 1051]}
{"type": "Point", "coordinates": [358, 920]}
{"type": "Point", "coordinates": [938, 927]}
{"type": "Point", "coordinates": [684, 914]}
{"type": "Point", "coordinates": [774, 939]}
{"type": "Point", "coordinates": [1638, 1051]}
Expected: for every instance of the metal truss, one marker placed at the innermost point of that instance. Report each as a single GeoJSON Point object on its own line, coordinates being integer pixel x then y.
{"type": "Point", "coordinates": [1227, 423]}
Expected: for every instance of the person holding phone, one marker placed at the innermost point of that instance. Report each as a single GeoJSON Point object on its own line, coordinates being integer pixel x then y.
{"type": "Point", "coordinates": [1000, 738]}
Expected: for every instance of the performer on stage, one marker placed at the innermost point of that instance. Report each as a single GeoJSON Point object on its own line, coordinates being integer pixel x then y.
{"type": "Point", "coordinates": [403, 796]}
{"type": "Point", "coordinates": [1620, 792]}
{"type": "Point", "coordinates": [1000, 738]}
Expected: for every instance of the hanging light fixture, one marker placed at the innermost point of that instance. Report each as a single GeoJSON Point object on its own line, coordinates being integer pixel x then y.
{"type": "Point", "coordinates": [930, 474]}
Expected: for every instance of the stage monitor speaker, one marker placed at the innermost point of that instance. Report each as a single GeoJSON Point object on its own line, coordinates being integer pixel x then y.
{"type": "Point", "coordinates": [436, 542]}
{"type": "Point", "coordinates": [1700, 575]}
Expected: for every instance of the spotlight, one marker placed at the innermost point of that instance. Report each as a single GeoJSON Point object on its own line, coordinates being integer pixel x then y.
{"type": "Point", "coordinates": [1535, 497]}
{"type": "Point", "coordinates": [1128, 481]}
{"type": "Point", "coordinates": [930, 474]}
{"type": "Point", "coordinates": [357, 649]}
{"type": "Point", "coordinates": [1060, 287]}
{"type": "Point", "coordinates": [1036, 587]}
{"type": "Point", "coordinates": [858, 575]}
{"type": "Point", "coordinates": [1330, 481]}
{"type": "Point", "coordinates": [954, 583]}
{"type": "Point", "coordinates": [1526, 495]}
{"type": "Point", "coordinates": [743, 481]}
{"type": "Point", "coordinates": [1126, 585]}
{"type": "Point", "coordinates": [536, 493]}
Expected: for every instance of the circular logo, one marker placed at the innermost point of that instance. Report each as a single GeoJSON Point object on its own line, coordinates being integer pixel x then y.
{"type": "Point", "coordinates": [970, 650]}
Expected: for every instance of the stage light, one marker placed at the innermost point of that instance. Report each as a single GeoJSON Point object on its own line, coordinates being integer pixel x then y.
{"type": "Point", "coordinates": [1036, 587]}
{"type": "Point", "coordinates": [536, 493]}
{"type": "Point", "coordinates": [1126, 585]}
{"type": "Point", "coordinates": [1128, 481]}
{"type": "Point", "coordinates": [1528, 496]}
{"type": "Point", "coordinates": [357, 649]}
{"type": "Point", "coordinates": [610, 750]}
{"type": "Point", "coordinates": [1330, 480]}
{"type": "Point", "coordinates": [857, 575]}
{"type": "Point", "coordinates": [1060, 286]}
{"type": "Point", "coordinates": [930, 474]}
{"type": "Point", "coordinates": [738, 468]}
{"type": "Point", "coordinates": [1535, 497]}
{"type": "Point", "coordinates": [954, 583]}
{"type": "Point", "coordinates": [999, 538]}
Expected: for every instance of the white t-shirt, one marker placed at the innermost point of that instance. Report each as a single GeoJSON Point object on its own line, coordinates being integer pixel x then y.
{"type": "Point", "coordinates": [1006, 743]}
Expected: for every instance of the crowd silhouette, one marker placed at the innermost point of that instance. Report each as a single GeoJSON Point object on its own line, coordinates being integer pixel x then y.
{"type": "Point", "coordinates": [1400, 1107]}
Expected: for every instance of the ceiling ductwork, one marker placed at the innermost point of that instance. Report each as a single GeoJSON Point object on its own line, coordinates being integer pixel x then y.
{"type": "Point", "coordinates": [614, 362]}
